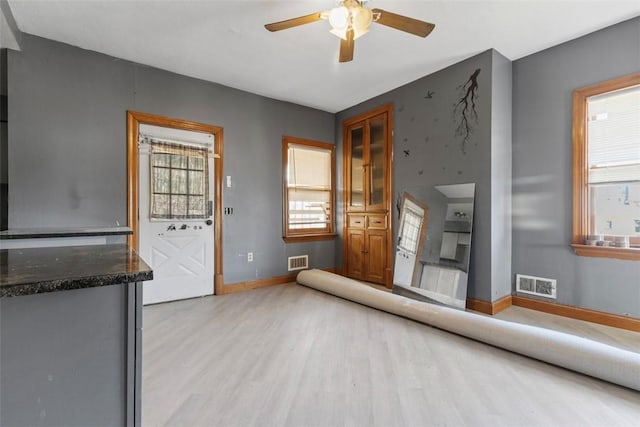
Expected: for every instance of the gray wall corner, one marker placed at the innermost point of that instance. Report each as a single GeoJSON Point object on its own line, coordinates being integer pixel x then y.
{"type": "Point", "coordinates": [4, 145]}
{"type": "Point", "coordinates": [501, 164]}
{"type": "Point", "coordinates": [542, 168]}
{"type": "Point", "coordinates": [10, 34]}
{"type": "Point", "coordinates": [67, 112]}
{"type": "Point", "coordinates": [429, 151]}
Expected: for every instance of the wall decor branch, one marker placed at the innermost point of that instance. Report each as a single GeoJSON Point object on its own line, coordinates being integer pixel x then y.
{"type": "Point", "coordinates": [464, 111]}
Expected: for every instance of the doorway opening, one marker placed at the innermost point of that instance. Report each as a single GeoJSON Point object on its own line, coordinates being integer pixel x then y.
{"type": "Point", "coordinates": [174, 203]}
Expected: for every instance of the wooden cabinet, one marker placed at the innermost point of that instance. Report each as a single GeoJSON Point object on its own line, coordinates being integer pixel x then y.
{"type": "Point", "coordinates": [367, 164]}
{"type": "Point", "coordinates": [367, 199]}
{"type": "Point", "coordinates": [355, 244]}
{"type": "Point", "coordinates": [375, 255]}
{"type": "Point", "coordinates": [366, 247]}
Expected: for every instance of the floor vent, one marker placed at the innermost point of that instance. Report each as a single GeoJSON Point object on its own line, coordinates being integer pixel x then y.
{"type": "Point", "coordinates": [299, 262]}
{"type": "Point", "coordinates": [536, 286]}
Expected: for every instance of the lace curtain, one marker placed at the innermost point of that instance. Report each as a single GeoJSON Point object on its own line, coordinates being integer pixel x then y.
{"type": "Point", "coordinates": [179, 181]}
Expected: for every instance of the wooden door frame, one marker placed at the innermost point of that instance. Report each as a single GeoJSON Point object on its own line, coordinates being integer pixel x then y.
{"type": "Point", "coordinates": [134, 120]}
{"type": "Point", "coordinates": [346, 167]}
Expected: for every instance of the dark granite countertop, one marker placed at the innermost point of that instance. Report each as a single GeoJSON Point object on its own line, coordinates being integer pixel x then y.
{"type": "Point", "coordinates": [39, 233]}
{"type": "Point", "coordinates": [52, 269]}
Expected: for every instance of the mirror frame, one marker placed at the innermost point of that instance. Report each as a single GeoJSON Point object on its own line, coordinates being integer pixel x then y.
{"type": "Point", "coordinates": [417, 267]}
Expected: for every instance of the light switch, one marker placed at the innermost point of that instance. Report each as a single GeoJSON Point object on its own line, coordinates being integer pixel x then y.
{"type": "Point", "coordinates": [228, 181]}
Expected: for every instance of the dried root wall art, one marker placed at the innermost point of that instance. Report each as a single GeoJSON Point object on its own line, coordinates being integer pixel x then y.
{"type": "Point", "coordinates": [465, 114]}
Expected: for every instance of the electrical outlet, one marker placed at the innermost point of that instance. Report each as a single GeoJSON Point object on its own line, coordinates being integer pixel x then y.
{"type": "Point", "coordinates": [250, 257]}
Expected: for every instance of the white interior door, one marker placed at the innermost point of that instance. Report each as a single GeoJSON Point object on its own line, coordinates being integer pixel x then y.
{"type": "Point", "coordinates": [180, 251]}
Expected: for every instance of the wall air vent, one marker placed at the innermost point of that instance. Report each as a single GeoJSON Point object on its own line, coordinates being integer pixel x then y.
{"type": "Point", "coordinates": [299, 262]}
{"type": "Point", "coordinates": [536, 286]}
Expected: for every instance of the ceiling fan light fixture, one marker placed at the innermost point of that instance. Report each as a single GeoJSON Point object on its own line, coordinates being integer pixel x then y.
{"type": "Point", "coordinates": [357, 32]}
{"type": "Point", "coordinates": [339, 18]}
{"type": "Point", "coordinates": [362, 18]}
{"type": "Point", "coordinates": [352, 16]}
{"type": "Point", "coordinates": [361, 21]}
{"type": "Point", "coordinates": [340, 33]}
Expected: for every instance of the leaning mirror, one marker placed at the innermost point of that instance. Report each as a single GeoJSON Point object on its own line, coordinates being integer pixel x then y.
{"type": "Point", "coordinates": [434, 244]}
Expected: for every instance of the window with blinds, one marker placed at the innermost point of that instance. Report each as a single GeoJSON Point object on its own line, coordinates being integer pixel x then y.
{"type": "Point", "coordinates": [606, 169]}
{"type": "Point", "coordinates": [308, 170]}
{"type": "Point", "coordinates": [614, 137]}
{"type": "Point", "coordinates": [613, 129]}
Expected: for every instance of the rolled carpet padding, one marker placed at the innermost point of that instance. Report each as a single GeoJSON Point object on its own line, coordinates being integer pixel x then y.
{"type": "Point", "coordinates": [577, 354]}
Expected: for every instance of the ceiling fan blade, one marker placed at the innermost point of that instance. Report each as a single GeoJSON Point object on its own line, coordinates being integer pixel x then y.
{"type": "Point", "coordinates": [294, 22]}
{"type": "Point", "coordinates": [346, 47]}
{"type": "Point", "coordinates": [403, 23]}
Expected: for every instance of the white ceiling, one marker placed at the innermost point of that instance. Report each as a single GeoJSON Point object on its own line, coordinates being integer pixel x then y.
{"type": "Point", "coordinates": [457, 191]}
{"type": "Point", "coordinates": [225, 41]}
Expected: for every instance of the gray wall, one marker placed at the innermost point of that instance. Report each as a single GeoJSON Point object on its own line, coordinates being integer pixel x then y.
{"type": "Point", "coordinates": [542, 168]}
{"type": "Point", "coordinates": [501, 156]}
{"type": "Point", "coordinates": [4, 129]}
{"type": "Point", "coordinates": [426, 128]}
{"type": "Point", "coordinates": [67, 148]}
{"type": "Point", "coordinates": [68, 106]}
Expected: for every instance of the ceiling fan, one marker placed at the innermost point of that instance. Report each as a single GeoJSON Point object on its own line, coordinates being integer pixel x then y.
{"type": "Point", "coordinates": [351, 19]}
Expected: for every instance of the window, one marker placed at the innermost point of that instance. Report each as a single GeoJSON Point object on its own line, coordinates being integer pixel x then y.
{"type": "Point", "coordinates": [410, 232]}
{"type": "Point", "coordinates": [179, 182]}
{"type": "Point", "coordinates": [606, 150]}
{"type": "Point", "coordinates": [308, 180]}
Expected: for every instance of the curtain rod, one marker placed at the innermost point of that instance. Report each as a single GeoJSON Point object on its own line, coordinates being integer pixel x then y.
{"type": "Point", "coordinates": [148, 140]}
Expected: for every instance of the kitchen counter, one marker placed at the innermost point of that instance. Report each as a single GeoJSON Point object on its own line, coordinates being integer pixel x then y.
{"type": "Point", "coordinates": [18, 238]}
{"type": "Point", "coordinates": [51, 269]}
{"type": "Point", "coordinates": [71, 335]}
{"type": "Point", "coordinates": [39, 233]}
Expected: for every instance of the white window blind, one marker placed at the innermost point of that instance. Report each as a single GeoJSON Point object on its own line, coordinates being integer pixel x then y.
{"type": "Point", "coordinates": [309, 187]}
{"type": "Point", "coordinates": [614, 136]}
{"type": "Point", "coordinates": [309, 168]}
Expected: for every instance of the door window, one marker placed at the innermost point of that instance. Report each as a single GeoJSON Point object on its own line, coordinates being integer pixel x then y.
{"type": "Point", "coordinates": [179, 182]}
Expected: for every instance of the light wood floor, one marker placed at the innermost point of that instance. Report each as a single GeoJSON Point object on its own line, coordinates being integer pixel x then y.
{"type": "Point", "coordinates": [621, 338]}
{"type": "Point", "coordinates": [292, 356]}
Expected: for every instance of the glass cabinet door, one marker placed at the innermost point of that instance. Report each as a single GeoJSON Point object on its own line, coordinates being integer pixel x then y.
{"type": "Point", "coordinates": [377, 162]}
{"type": "Point", "coordinates": [356, 198]}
